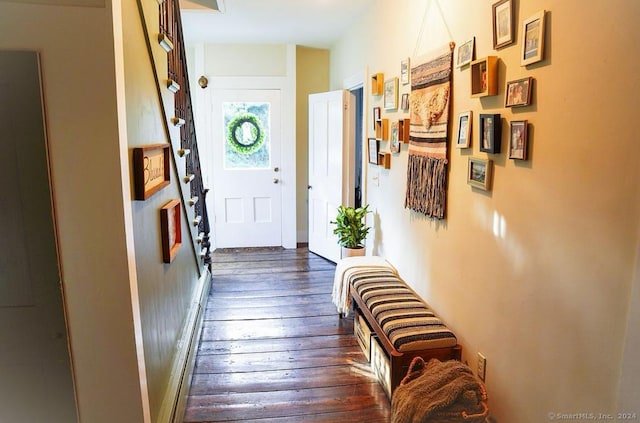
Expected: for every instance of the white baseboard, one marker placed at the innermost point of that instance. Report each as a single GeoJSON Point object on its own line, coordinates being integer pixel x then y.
{"type": "Point", "coordinates": [175, 399]}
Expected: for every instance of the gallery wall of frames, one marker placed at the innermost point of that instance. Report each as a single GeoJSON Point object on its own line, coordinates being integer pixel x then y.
{"type": "Point", "coordinates": [396, 117]}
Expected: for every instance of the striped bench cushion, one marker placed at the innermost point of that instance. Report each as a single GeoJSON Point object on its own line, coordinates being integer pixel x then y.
{"type": "Point", "coordinates": [404, 317]}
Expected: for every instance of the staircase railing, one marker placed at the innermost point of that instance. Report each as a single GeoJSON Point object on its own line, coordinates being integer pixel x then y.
{"type": "Point", "coordinates": [171, 28]}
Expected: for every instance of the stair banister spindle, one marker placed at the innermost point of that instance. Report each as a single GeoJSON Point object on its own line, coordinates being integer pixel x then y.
{"type": "Point", "coordinates": [171, 24]}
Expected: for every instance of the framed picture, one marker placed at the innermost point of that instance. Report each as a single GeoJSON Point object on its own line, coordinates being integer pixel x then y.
{"type": "Point", "coordinates": [503, 25]}
{"type": "Point", "coordinates": [391, 93]}
{"type": "Point", "coordinates": [490, 133]}
{"type": "Point", "coordinates": [518, 140]}
{"type": "Point", "coordinates": [464, 129]}
{"type": "Point", "coordinates": [533, 39]}
{"type": "Point", "coordinates": [151, 169]}
{"type": "Point", "coordinates": [170, 230]}
{"type": "Point", "coordinates": [404, 104]}
{"type": "Point", "coordinates": [394, 146]}
{"type": "Point", "coordinates": [466, 53]}
{"type": "Point", "coordinates": [479, 173]}
{"type": "Point", "coordinates": [374, 146]}
{"type": "Point", "coordinates": [405, 71]}
{"type": "Point", "coordinates": [518, 92]}
{"type": "Point", "coordinates": [376, 116]}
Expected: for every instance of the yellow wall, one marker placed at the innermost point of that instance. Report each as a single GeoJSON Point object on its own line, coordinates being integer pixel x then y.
{"type": "Point", "coordinates": [312, 76]}
{"type": "Point", "coordinates": [245, 60]}
{"type": "Point", "coordinates": [537, 273]}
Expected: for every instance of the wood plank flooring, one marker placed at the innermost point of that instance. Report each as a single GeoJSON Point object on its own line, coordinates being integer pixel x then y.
{"type": "Point", "coordinates": [273, 348]}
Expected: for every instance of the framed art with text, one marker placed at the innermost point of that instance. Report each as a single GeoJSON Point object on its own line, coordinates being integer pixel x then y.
{"type": "Point", "coordinates": [151, 170]}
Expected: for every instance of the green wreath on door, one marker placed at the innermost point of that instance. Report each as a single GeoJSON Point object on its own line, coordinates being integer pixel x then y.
{"type": "Point", "coordinates": [235, 131]}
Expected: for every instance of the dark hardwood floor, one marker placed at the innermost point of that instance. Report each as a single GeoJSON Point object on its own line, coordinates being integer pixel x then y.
{"type": "Point", "coordinates": [273, 348]}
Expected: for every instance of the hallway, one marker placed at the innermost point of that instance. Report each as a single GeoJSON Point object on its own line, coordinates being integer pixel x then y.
{"type": "Point", "coordinates": [273, 348]}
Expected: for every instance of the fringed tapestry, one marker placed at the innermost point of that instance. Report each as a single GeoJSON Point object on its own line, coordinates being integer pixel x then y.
{"type": "Point", "coordinates": [429, 114]}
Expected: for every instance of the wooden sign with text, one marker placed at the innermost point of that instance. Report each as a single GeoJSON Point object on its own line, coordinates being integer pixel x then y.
{"type": "Point", "coordinates": [151, 170]}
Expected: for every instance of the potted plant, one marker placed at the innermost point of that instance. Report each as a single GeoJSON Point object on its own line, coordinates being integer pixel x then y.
{"type": "Point", "coordinates": [351, 230]}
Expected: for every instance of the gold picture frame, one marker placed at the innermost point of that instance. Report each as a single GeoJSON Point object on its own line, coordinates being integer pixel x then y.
{"type": "Point", "coordinates": [391, 93]}
{"type": "Point", "coordinates": [533, 39]}
{"type": "Point", "coordinates": [170, 230]}
{"type": "Point", "coordinates": [479, 173]}
{"type": "Point", "coordinates": [465, 122]}
{"type": "Point", "coordinates": [466, 53]}
{"type": "Point", "coordinates": [503, 24]}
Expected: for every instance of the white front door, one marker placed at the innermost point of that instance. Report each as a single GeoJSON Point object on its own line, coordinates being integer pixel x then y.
{"type": "Point", "coordinates": [331, 167]}
{"type": "Point", "coordinates": [247, 189]}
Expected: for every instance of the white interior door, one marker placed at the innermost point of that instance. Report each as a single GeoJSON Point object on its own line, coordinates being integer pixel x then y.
{"type": "Point", "coordinates": [331, 167]}
{"type": "Point", "coordinates": [247, 189]}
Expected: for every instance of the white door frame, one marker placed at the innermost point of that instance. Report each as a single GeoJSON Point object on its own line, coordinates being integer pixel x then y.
{"type": "Point", "coordinates": [247, 201]}
{"type": "Point", "coordinates": [288, 150]}
{"type": "Point", "coordinates": [351, 83]}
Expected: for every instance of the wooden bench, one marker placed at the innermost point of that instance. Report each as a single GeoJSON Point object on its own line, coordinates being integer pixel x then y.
{"type": "Point", "coordinates": [393, 325]}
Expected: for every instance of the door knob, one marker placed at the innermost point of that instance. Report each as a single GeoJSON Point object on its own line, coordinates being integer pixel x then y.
{"type": "Point", "coordinates": [276, 169]}
{"type": "Point", "coordinates": [308, 186]}
{"type": "Point", "coordinates": [276, 180]}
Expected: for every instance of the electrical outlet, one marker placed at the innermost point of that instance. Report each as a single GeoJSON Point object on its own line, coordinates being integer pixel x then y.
{"type": "Point", "coordinates": [482, 366]}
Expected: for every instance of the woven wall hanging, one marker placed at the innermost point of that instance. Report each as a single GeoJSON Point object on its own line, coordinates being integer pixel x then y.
{"type": "Point", "coordinates": [428, 135]}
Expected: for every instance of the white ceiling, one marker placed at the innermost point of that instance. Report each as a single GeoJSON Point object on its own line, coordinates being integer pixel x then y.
{"type": "Point", "coordinates": [312, 23]}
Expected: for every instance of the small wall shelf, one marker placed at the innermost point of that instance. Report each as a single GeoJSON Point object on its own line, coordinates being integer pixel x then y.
{"type": "Point", "coordinates": [382, 129]}
{"type": "Point", "coordinates": [403, 130]}
{"type": "Point", "coordinates": [377, 83]}
{"type": "Point", "coordinates": [384, 159]}
{"type": "Point", "coordinates": [484, 76]}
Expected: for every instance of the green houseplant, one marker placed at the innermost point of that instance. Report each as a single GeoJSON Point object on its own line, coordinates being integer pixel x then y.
{"type": "Point", "coordinates": [351, 229]}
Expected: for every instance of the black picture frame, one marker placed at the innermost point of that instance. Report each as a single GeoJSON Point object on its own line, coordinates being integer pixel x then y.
{"type": "Point", "coordinates": [490, 131]}
{"type": "Point", "coordinates": [373, 149]}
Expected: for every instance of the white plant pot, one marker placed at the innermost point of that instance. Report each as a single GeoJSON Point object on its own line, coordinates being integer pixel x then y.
{"type": "Point", "coordinates": [353, 252]}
